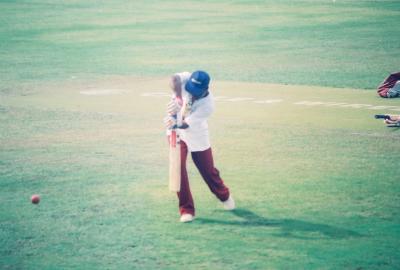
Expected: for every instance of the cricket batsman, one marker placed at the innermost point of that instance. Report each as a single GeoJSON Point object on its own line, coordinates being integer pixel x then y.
{"type": "Point", "coordinates": [193, 91]}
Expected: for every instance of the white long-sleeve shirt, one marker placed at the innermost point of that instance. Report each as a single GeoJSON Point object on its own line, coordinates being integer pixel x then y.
{"type": "Point", "coordinates": [196, 136]}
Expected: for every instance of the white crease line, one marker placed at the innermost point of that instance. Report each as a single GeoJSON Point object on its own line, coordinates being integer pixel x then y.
{"type": "Point", "coordinates": [384, 107]}
{"type": "Point", "coordinates": [103, 92]}
{"type": "Point", "coordinates": [268, 101]}
{"type": "Point", "coordinates": [356, 106]}
{"type": "Point", "coordinates": [155, 94]}
{"type": "Point", "coordinates": [309, 103]}
{"type": "Point", "coordinates": [239, 99]}
{"type": "Point", "coordinates": [396, 110]}
{"type": "Point", "coordinates": [347, 105]}
{"type": "Point", "coordinates": [220, 97]}
{"type": "Point", "coordinates": [330, 104]}
{"type": "Point", "coordinates": [301, 102]}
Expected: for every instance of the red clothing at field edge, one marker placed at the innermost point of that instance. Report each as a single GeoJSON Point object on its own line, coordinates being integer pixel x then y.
{"type": "Point", "coordinates": [388, 83]}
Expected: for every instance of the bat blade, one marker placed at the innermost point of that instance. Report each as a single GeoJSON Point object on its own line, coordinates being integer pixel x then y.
{"type": "Point", "coordinates": [174, 163]}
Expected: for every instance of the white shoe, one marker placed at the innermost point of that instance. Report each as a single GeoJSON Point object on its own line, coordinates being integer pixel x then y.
{"type": "Point", "coordinates": [186, 218]}
{"type": "Point", "coordinates": [229, 204]}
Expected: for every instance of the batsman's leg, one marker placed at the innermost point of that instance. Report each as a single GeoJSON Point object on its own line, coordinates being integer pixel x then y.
{"type": "Point", "coordinates": [186, 204]}
{"type": "Point", "coordinates": [205, 164]}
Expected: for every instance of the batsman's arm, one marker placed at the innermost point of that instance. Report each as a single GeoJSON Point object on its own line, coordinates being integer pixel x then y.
{"type": "Point", "coordinates": [389, 120]}
{"type": "Point", "coordinates": [393, 121]}
{"type": "Point", "coordinates": [199, 115]}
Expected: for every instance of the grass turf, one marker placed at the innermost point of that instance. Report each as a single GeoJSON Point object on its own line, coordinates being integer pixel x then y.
{"type": "Point", "coordinates": [342, 43]}
{"type": "Point", "coordinates": [316, 186]}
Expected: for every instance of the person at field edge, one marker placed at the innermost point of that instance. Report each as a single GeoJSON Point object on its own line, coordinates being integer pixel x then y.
{"type": "Point", "coordinates": [194, 89]}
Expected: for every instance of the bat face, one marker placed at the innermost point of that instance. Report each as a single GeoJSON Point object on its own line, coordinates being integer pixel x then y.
{"type": "Point", "coordinates": [175, 152]}
{"type": "Point", "coordinates": [174, 162]}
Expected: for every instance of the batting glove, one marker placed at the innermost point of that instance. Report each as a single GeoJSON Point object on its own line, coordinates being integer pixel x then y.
{"type": "Point", "coordinates": [173, 107]}
{"type": "Point", "coordinates": [170, 122]}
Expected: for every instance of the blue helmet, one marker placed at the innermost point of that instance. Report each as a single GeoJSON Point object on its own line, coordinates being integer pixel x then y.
{"type": "Point", "coordinates": [198, 83]}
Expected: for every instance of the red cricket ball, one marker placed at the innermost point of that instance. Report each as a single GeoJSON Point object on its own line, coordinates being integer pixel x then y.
{"type": "Point", "coordinates": [35, 199]}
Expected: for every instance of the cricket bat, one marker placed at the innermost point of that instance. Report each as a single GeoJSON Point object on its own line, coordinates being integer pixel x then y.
{"type": "Point", "coordinates": [175, 154]}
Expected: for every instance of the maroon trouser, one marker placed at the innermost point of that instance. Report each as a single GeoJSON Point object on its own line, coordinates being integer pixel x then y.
{"type": "Point", "coordinates": [205, 164]}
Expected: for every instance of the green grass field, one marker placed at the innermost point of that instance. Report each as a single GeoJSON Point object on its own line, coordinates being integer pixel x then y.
{"type": "Point", "coordinates": [82, 97]}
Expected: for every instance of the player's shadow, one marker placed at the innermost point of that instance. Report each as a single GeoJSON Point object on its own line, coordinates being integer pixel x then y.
{"type": "Point", "coordinates": [292, 228]}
